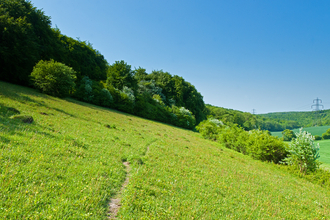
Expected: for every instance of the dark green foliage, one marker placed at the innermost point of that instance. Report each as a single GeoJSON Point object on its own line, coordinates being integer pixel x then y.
{"type": "Point", "coordinates": [84, 91]}
{"type": "Point", "coordinates": [326, 135]}
{"type": "Point", "coordinates": [318, 137]}
{"type": "Point", "coordinates": [288, 135]}
{"type": "Point", "coordinates": [25, 38]}
{"type": "Point", "coordinates": [81, 56]}
{"type": "Point", "coordinates": [93, 92]}
{"type": "Point", "coordinates": [179, 92]}
{"type": "Point", "coordinates": [101, 95]}
{"type": "Point", "coordinates": [53, 78]}
{"type": "Point", "coordinates": [120, 75]}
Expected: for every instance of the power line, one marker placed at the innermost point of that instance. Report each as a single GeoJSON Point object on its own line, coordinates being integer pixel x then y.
{"type": "Point", "coordinates": [317, 109]}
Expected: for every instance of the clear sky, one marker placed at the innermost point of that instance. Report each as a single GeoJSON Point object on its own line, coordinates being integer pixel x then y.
{"type": "Point", "coordinates": [265, 55]}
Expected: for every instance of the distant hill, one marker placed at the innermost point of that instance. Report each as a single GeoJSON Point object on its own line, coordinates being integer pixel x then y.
{"type": "Point", "coordinates": [305, 119]}
{"type": "Point", "coordinates": [250, 121]}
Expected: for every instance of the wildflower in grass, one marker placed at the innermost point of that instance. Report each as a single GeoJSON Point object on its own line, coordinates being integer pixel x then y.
{"type": "Point", "coordinates": [303, 152]}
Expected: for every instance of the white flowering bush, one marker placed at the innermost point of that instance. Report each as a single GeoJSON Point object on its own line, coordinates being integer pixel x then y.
{"type": "Point", "coordinates": [185, 111]}
{"type": "Point", "coordinates": [183, 117]}
{"type": "Point", "coordinates": [210, 128]}
{"type": "Point", "coordinates": [303, 152]}
{"type": "Point", "coordinates": [130, 93]}
{"type": "Point", "coordinates": [216, 121]}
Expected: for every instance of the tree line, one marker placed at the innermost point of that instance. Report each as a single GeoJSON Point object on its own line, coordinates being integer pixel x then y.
{"type": "Point", "coordinates": [250, 121]}
{"type": "Point", "coordinates": [28, 41]}
{"type": "Point", "coordinates": [304, 119]}
{"type": "Point", "coordinates": [27, 38]}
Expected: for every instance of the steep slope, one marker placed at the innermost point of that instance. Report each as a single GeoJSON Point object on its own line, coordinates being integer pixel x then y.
{"type": "Point", "coordinates": [69, 163]}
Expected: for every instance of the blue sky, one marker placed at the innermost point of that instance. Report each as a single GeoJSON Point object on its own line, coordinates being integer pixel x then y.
{"type": "Point", "coordinates": [241, 54]}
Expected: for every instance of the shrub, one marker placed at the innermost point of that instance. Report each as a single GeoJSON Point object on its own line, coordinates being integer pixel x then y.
{"type": "Point", "coordinates": [288, 135]}
{"type": "Point", "coordinates": [53, 78]}
{"type": "Point", "coordinates": [182, 117]}
{"type": "Point", "coordinates": [303, 152]}
{"type": "Point", "coordinates": [209, 128]}
{"type": "Point", "coordinates": [85, 90]}
{"type": "Point", "coordinates": [106, 98]}
{"type": "Point", "coordinates": [318, 137]}
{"type": "Point", "coordinates": [262, 146]}
{"type": "Point", "coordinates": [258, 144]}
{"type": "Point", "coordinates": [326, 135]}
{"type": "Point", "coordinates": [234, 137]}
{"type": "Point", "coordinates": [130, 93]}
{"type": "Point", "coordinates": [124, 100]}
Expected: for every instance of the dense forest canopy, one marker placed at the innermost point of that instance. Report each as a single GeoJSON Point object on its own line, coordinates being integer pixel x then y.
{"type": "Point", "coordinates": [26, 37]}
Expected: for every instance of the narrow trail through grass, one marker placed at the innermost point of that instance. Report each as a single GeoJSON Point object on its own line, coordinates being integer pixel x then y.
{"type": "Point", "coordinates": [115, 204]}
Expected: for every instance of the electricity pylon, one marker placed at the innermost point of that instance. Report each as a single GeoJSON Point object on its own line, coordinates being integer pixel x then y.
{"type": "Point", "coordinates": [317, 106]}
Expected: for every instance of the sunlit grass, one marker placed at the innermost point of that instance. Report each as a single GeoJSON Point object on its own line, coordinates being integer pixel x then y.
{"type": "Point", "coordinates": [67, 164]}
{"type": "Point", "coordinates": [325, 153]}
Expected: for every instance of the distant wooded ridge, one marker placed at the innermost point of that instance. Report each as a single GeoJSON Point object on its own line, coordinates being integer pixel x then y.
{"type": "Point", "coordinates": [304, 119]}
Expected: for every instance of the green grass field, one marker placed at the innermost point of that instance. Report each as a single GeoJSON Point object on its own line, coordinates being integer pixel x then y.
{"type": "Point", "coordinates": [67, 164]}
{"type": "Point", "coordinates": [325, 153]}
{"type": "Point", "coordinates": [313, 130]}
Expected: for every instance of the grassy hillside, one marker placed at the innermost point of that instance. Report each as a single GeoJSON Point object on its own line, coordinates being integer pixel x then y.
{"type": "Point", "coordinates": [68, 164]}
{"type": "Point", "coordinates": [319, 130]}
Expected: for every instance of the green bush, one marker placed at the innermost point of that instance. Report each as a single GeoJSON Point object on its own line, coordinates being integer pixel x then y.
{"type": "Point", "coordinates": [262, 146]}
{"type": "Point", "coordinates": [182, 117]}
{"type": "Point", "coordinates": [288, 135]}
{"type": "Point", "coordinates": [258, 144]}
{"type": "Point", "coordinates": [318, 137]}
{"type": "Point", "coordinates": [85, 91]}
{"type": "Point", "coordinates": [53, 78]}
{"type": "Point", "coordinates": [209, 129]}
{"type": "Point", "coordinates": [234, 137]}
{"type": "Point", "coordinates": [326, 135]}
